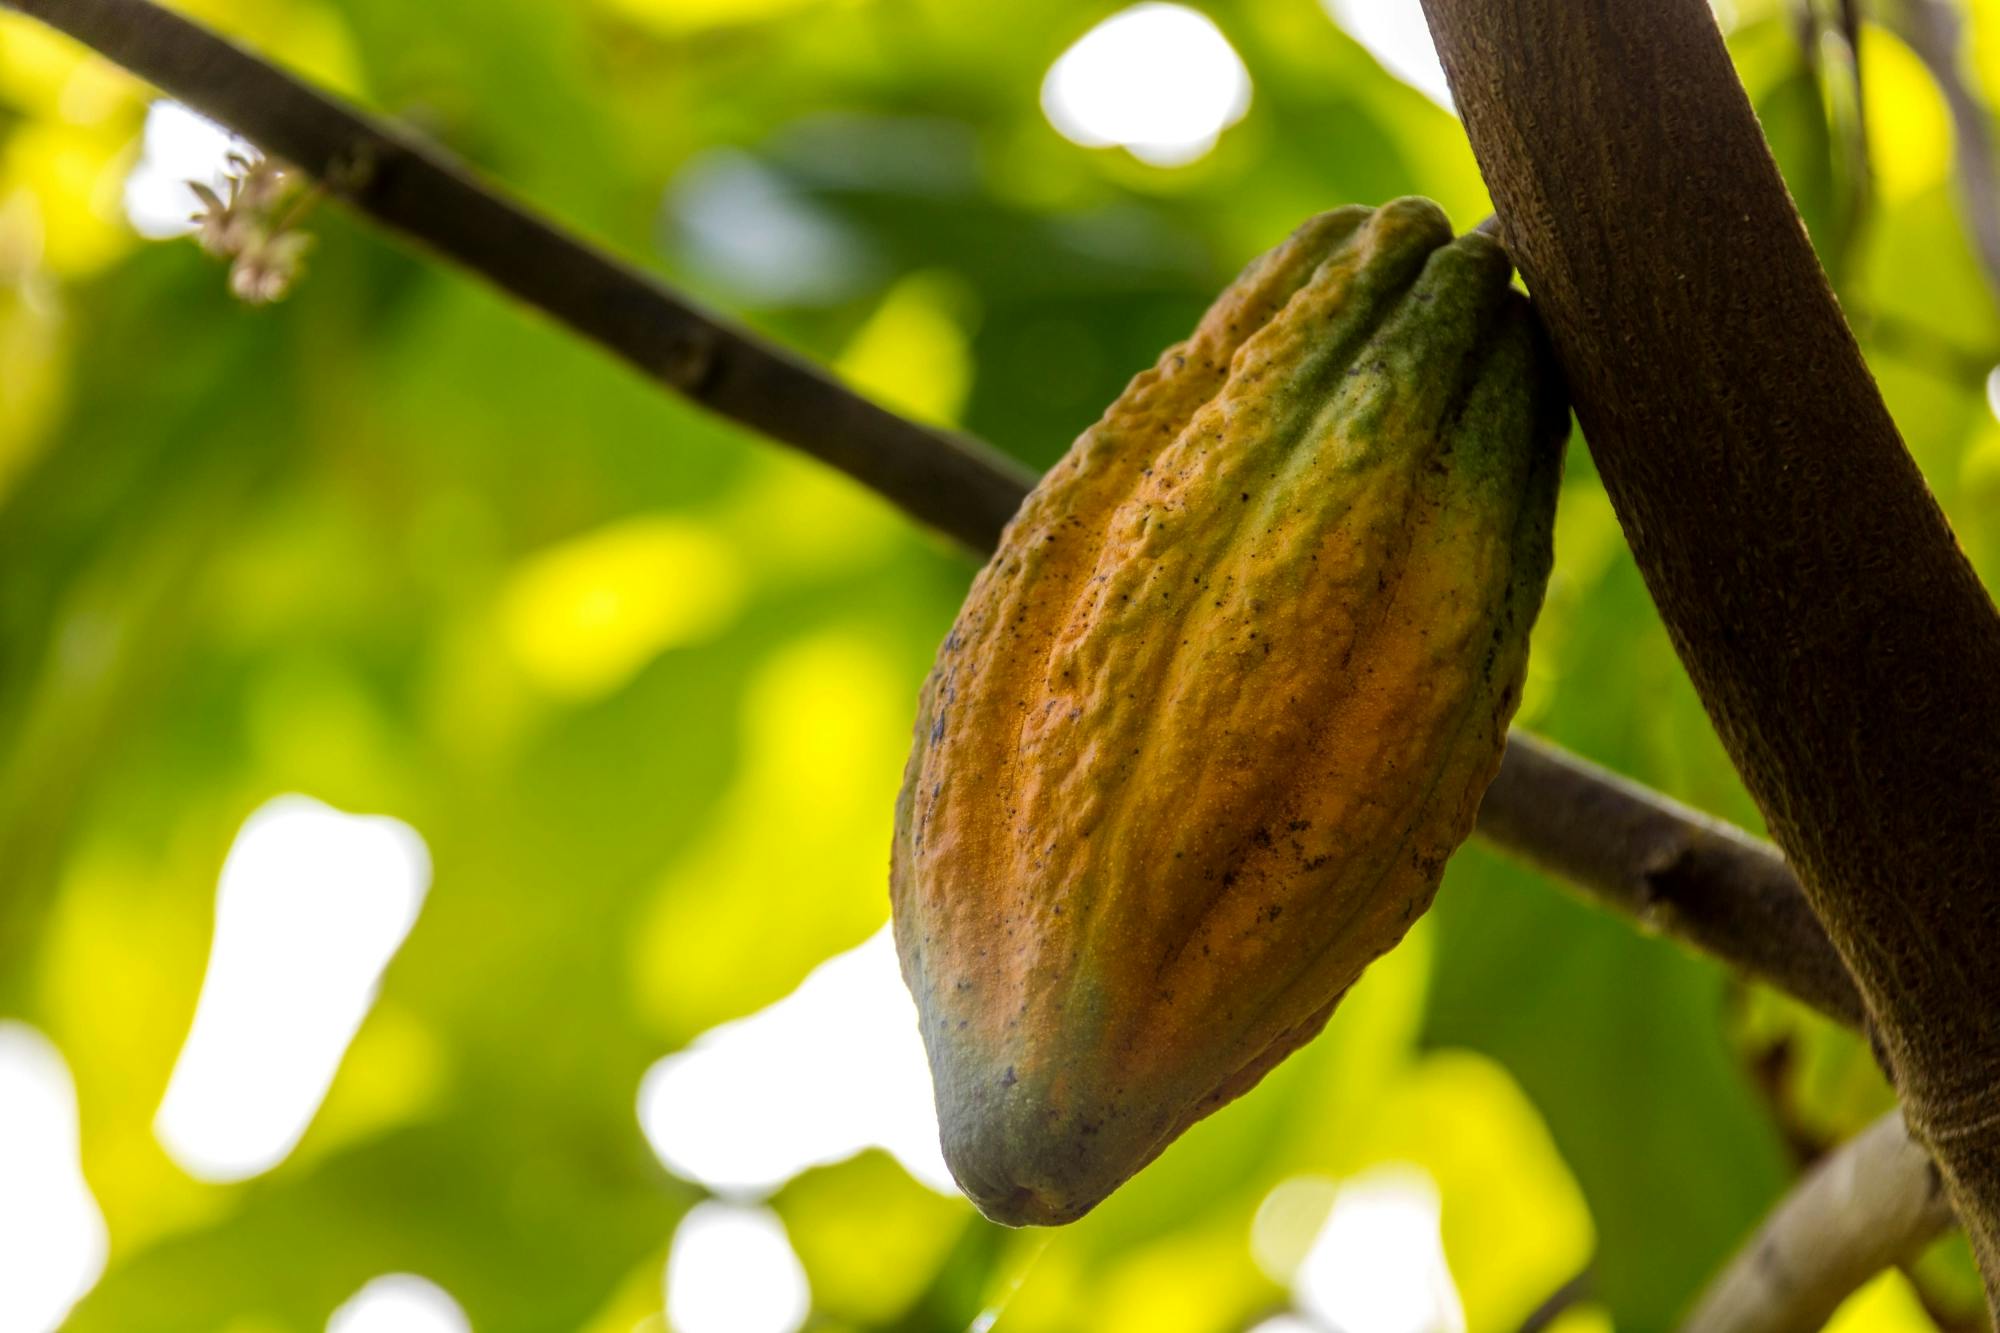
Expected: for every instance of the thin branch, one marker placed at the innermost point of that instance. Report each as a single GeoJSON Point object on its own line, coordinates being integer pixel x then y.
{"type": "Point", "coordinates": [965, 489]}
{"type": "Point", "coordinates": [1872, 1203]}
{"type": "Point", "coordinates": [1692, 879]}
{"type": "Point", "coordinates": [1675, 871]}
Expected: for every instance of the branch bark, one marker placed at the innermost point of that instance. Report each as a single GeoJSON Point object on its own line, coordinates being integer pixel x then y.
{"type": "Point", "coordinates": [1838, 636]}
{"type": "Point", "coordinates": [1675, 871]}
{"type": "Point", "coordinates": [1873, 1202]}
{"type": "Point", "coordinates": [1685, 876]}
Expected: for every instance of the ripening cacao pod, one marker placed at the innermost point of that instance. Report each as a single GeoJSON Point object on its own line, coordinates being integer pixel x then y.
{"type": "Point", "coordinates": [1226, 698]}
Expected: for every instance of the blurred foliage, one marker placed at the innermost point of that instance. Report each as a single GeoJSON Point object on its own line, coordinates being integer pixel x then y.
{"type": "Point", "coordinates": [643, 682]}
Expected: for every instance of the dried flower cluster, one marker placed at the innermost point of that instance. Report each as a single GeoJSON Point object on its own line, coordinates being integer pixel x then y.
{"type": "Point", "coordinates": [256, 227]}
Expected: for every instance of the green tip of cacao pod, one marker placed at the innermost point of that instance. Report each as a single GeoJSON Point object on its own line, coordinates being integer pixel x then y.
{"type": "Point", "coordinates": [1223, 702]}
{"type": "Point", "coordinates": [999, 1147]}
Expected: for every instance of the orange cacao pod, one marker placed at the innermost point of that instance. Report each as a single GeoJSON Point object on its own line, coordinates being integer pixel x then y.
{"type": "Point", "coordinates": [1217, 711]}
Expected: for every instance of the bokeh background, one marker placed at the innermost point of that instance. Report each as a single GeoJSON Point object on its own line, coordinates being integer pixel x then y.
{"type": "Point", "coordinates": [445, 785]}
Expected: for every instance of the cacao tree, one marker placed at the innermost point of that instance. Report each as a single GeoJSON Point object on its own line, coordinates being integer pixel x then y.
{"type": "Point", "coordinates": [1737, 468]}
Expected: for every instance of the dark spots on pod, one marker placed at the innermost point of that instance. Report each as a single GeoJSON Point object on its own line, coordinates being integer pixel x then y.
{"type": "Point", "coordinates": [1007, 1080]}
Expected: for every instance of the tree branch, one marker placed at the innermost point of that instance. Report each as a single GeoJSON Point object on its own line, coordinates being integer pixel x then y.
{"type": "Point", "coordinates": [963, 488]}
{"type": "Point", "coordinates": [1871, 1203]}
{"type": "Point", "coordinates": [1688, 877]}
{"type": "Point", "coordinates": [1675, 871]}
{"type": "Point", "coordinates": [1836, 633]}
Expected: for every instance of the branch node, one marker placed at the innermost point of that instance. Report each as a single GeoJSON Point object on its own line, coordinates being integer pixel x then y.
{"type": "Point", "coordinates": [1654, 887]}
{"type": "Point", "coordinates": [688, 361]}
{"type": "Point", "coordinates": [353, 167]}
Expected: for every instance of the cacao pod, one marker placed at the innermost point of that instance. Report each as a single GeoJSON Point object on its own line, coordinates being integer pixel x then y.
{"type": "Point", "coordinates": [1213, 717]}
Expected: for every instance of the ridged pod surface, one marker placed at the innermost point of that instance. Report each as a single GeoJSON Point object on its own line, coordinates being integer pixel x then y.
{"type": "Point", "coordinates": [1226, 698]}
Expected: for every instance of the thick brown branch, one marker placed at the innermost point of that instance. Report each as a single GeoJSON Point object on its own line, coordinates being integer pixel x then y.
{"type": "Point", "coordinates": [1837, 634]}
{"type": "Point", "coordinates": [1873, 1202]}
{"type": "Point", "coordinates": [1634, 851]}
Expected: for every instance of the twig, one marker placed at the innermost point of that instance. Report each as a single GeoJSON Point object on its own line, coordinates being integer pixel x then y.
{"type": "Point", "coordinates": [1635, 851]}
{"type": "Point", "coordinates": [963, 488]}
{"type": "Point", "coordinates": [1871, 1203]}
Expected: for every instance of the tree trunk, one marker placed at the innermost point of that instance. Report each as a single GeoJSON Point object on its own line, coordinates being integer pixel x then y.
{"type": "Point", "coordinates": [1841, 642]}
